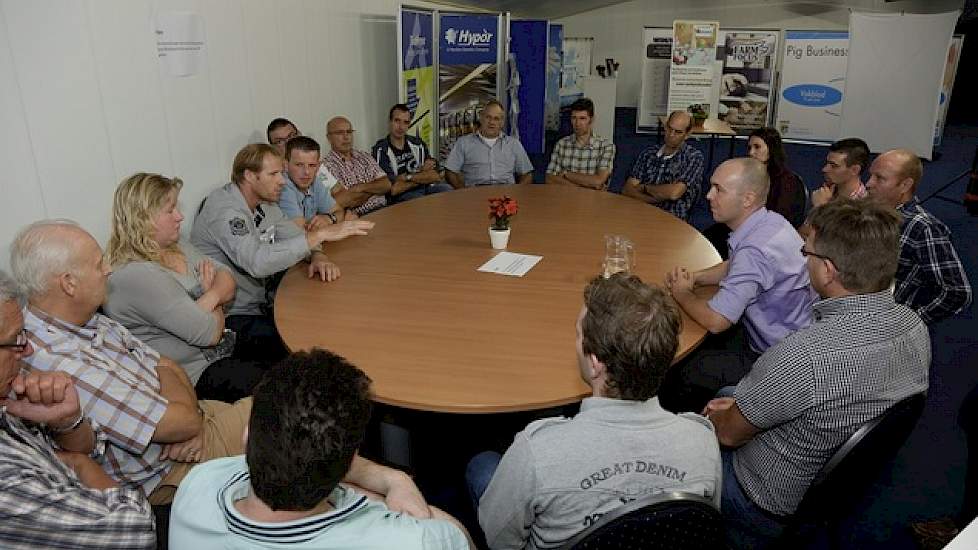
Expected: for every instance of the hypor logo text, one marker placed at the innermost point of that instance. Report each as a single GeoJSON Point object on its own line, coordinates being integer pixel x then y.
{"type": "Point", "coordinates": [466, 37]}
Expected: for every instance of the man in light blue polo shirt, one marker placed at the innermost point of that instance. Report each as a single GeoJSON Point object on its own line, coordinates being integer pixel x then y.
{"type": "Point", "coordinates": [488, 156]}
{"type": "Point", "coordinates": [308, 417]}
{"type": "Point", "coordinates": [306, 198]}
{"type": "Point", "coordinates": [764, 283]}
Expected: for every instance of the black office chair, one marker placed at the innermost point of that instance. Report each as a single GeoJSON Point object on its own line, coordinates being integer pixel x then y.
{"type": "Point", "coordinates": [673, 521]}
{"type": "Point", "coordinates": [848, 474]}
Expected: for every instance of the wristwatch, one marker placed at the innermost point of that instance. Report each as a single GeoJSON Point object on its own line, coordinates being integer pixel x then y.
{"type": "Point", "coordinates": [331, 217]}
{"type": "Point", "coordinates": [409, 177]}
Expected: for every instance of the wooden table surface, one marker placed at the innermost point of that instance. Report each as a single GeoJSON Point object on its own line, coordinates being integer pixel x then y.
{"type": "Point", "coordinates": [434, 334]}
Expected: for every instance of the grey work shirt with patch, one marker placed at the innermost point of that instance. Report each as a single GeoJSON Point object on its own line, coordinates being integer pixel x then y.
{"type": "Point", "coordinates": [256, 245]}
{"type": "Point", "coordinates": [561, 474]}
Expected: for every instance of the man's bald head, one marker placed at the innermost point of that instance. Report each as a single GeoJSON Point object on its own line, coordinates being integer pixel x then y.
{"type": "Point", "coordinates": [336, 122]}
{"type": "Point", "coordinates": [747, 175]}
{"type": "Point", "coordinates": [339, 133]}
{"type": "Point", "coordinates": [682, 119]}
{"type": "Point", "coordinates": [909, 164]}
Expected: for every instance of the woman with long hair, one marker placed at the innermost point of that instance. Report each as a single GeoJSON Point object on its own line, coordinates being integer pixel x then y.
{"type": "Point", "coordinates": [787, 192]}
{"type": "Point", "coordinates": [168, 294]}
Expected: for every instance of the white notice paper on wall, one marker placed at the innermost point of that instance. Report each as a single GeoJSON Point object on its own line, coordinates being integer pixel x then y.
{"type": "Point", "coordinates": [508, 263]}
{"type": "Point", "coordinates": [179, 42]}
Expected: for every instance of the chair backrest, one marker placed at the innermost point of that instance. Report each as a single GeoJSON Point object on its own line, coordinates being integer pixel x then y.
{"type": "Point", "coordinates": [667, 520]}
{"type": "Point", "coordinates": [847, 474]}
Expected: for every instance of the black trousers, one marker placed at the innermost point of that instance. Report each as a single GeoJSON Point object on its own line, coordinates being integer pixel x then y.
{"type": "Point", "coordinates": [230, 379]}
{"type": "Point", "coordinates": [721, 360]}
{"type": "Point", "coordinates": [258, 339]}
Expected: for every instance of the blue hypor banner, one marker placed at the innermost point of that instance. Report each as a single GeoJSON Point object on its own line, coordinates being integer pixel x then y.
{"type": "Point", "coordinates": [468, 50]}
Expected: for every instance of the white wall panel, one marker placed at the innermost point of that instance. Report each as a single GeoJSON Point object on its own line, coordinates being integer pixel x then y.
{"type": "Point", "coordinates": [22, 201]}
{"type": "Point", "coordinates": [130, 88]}
{"type": "Point", "coordinates": [52, 51]}
{"type": "Point", "coordinates": [85, 102]}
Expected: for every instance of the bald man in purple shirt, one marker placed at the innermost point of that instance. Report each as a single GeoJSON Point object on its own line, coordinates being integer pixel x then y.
{"type": "Point", "coordinates": [764, 293]}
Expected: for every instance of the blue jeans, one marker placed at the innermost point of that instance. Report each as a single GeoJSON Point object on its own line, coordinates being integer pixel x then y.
{"type": "Point", "coordinates": [747, 525]}
{"type": "Point", "coordinates": [479, 473]}
{"type": "Point", "coordinates": [422, 190]}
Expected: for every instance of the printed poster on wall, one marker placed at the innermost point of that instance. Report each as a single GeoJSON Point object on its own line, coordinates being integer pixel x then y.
{"type": "Point", "coordinates": [748, 58]}
{"type": "Point", "coordinates": [418, 72]}
{"type": "Point", "coordinates": [555, 54]}
{"type": "Point", "coordinates": [813, 74]}
{"type": "Point", "coordinates": [468, 50]}
{"type": "Point", "coordinates": [947, 84]}
{"type": "Point", "coordinates": [575, 66]}
{"type": "Point", "coordinates": [691, 74]}
{"type": "Point", "coordinates": [654, 96]}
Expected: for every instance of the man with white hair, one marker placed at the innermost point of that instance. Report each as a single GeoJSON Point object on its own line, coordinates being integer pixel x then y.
{"type": "Point", "coordinates": [156, 430]}
{"type": "Point", "coordinates": [53, 492]}
{"type": "Point", "coordinates": [764, 283]}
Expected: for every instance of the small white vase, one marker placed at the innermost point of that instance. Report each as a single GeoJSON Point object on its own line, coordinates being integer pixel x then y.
{"type": "Point", "coordinates": [499, 238]}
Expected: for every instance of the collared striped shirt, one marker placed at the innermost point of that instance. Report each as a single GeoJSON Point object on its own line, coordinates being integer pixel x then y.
{"type": "Point", "coordinates": [813, 390]}
{"type": "Point", "coordinates": [118, 387]}
{"type": "Point", "coordinates": [44, 505]}
{"type": "Point", "coordinates": [685, 165]}
{"type": "Point", "coordinates": [930, 278]}
{"type": "Point", "coordinates": [361, 168]}
{"type": "Point", "coordinates": [569, 156]}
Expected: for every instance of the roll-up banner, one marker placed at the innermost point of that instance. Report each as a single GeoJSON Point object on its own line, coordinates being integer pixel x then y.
{"type": "Point", "coordinates": [950, 71]}
{"type": "Point", "coordinates": [468, 69]}
{"type": "Point", "coordinates": [654, 97]}
{"type": "Point", "coordinates": [417, 64]}
{"type": "Point", "coordinates": [748, 58]}
{"type": "Point", "coordinates": [555, 55]}
{"type": "Point", "coordinates": [693, 69]}
{"type": "Point", "coordinates": [813, 74]}
{"type": "Point", "coordinates": [528, 55]}
{"type": "Point", "coordinates": [575, 66]}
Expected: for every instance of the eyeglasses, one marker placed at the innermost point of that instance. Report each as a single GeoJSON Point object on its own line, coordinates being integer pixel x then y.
{"type": "Point", "coordinates": [807, 253]}
{"type": "Point", "coordinates": [18, 345]}
{"type": "Point", "coordinates": [342, 132]}
{"type": "Point", "coordinates": [280, 141]}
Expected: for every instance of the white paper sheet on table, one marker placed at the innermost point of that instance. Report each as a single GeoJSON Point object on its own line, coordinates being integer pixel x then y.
{"type": "Point", "coordinates": [509, 263]}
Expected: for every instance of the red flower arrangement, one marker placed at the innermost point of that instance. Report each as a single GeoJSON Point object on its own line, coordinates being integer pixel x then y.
{"type": "Point", "coordinates": [501, 209]}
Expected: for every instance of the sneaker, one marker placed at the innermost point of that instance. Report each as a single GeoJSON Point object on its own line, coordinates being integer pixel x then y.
{"type": "Point", "coordinates": [934, 534]}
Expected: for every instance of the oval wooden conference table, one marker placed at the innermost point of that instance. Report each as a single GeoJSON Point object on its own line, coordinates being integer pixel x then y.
{"type": "Point", "coordinates": [435, 334]}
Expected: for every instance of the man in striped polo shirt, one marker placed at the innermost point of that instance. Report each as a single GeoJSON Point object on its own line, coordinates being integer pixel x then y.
{"type": "Point", "coordinates": [811, 391]}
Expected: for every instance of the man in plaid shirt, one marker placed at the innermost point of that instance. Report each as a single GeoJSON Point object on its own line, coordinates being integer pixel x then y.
{"type": "Point", "coordinates": [582, 158]}
{"type": "Point", "coordinates": [155, 429]}
{"type": "Point", "coordinates": [670, 176]}
{"type": "Point", "coordinates": [363, 184]}
{"type": "Point", "coordinates": [53, 493]}
{"type": "Point", "coordinates": [930, 278]}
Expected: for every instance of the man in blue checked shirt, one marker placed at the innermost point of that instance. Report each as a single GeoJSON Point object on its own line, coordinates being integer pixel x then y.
{"type": "Point", "coordinates": [670, 176]}
{"type": "Point", "coordinates": [930, 278]}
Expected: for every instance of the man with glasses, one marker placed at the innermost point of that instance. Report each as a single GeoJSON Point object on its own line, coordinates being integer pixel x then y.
{"type": "Point", "coordinates": [670, 176]}
{"type": "Point", "coordinates": [279, 132]}
{"type": "Point", "coordinates": [764, 289]}
{"type": "Point", "coordinates": [363, 184]}
{"type": "Point", "coordinates": [53, 491]}
{"type": "Point", "coordinates": [811, 391]}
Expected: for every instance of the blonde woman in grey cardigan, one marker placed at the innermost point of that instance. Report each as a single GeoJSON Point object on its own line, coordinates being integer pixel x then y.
{"type": "Point", "coordinates": [168, 294]}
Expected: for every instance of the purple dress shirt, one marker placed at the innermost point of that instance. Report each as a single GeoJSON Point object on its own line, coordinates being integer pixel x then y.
{"type": "Point", "coordinates": [767, 280]}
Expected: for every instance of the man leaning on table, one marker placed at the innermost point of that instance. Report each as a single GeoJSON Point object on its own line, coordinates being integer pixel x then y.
{"type": "Point", "coordinates": [488, 156]}
{"type": "Point", "coordinates": [561, 473]}
{"type": "Point", "coordinates": [669, 176]}
{"type": "Point", "coordinates": [582, 158]}
{"type": "Point", "coordinates": [764, 289]}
